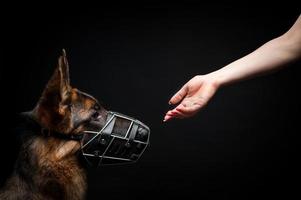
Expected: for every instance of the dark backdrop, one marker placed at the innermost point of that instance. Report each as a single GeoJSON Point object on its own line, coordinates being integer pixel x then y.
{"type": "Point", "coordinates": [134, 57]}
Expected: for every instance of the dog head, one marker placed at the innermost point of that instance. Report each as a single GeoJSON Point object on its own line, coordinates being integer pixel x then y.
{"type": "Point", "coordinates": [65, 109]}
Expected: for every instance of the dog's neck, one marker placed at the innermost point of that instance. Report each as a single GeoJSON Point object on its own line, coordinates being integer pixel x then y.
{"type": "Point", "coordinates": [59, 166]}
{"type": "Point", "coordinates": [61, 145]}
{"type": "Point", "coordinates": [55, 162]}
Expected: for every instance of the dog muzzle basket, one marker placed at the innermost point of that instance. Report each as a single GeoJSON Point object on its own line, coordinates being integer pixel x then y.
{"type": "Point", "coordinates": [113, 145]}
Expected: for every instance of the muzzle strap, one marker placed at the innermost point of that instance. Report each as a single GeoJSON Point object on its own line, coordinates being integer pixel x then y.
{"type": "Point", "coordinates": [109, 126]}
{"type": "Point", "coordinates": [133, 132]}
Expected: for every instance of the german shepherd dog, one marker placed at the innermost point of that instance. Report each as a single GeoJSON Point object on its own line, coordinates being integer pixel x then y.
{"type": "Point", "coordinates": [47, 167]}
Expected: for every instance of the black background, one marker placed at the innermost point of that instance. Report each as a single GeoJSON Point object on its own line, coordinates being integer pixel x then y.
{"type": "Point", "coordinates": [133, 57]}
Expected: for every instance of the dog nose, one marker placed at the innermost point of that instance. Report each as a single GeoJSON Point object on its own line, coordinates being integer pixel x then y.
{"type": "Point", "coordinates": [142, 134]}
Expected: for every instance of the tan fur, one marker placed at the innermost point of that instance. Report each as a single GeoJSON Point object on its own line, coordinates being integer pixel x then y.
{"type": "Point", "coordinates": [47, 167]}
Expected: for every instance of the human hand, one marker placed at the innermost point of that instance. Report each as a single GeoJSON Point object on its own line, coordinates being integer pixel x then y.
{"type": "Point", "coordinates": [192, 97]}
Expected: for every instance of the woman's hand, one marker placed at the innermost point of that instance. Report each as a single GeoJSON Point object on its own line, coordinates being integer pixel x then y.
{"type": "Point", "coordinates": [192, 97]}
{"type": "Point", "coordinates": [271, 56]}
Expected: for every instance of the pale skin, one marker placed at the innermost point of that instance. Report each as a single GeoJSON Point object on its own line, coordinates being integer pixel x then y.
{"type": "Point", "coordinates": [271, 56]}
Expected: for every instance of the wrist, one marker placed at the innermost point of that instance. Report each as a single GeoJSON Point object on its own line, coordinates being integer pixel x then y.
{"type": "Point", "coordinates": [216, 78]}
{"type": "Point", "coordinates": [212, 79]}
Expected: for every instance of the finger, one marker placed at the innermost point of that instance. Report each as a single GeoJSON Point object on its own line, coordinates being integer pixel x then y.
{"type": "Point", "coordinates": [171, 113]}
{"type": "Point", "coordinates": [179, 114]}
{"type": "Point", "coordinates": [167, 118]}
{"type": "Point", "coordinates": [174, 114]}
{"type": "Point", "coordinates": [188, 110]}
{"type": "Point", "coordinates": [179, 95]}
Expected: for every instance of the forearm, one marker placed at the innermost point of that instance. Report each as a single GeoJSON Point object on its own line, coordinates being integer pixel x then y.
{"type": "Point", "coordinates": [270, 57]}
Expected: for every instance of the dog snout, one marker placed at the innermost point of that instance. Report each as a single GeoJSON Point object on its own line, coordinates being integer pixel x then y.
{"type": "Point", "coordinates": [142, 133]}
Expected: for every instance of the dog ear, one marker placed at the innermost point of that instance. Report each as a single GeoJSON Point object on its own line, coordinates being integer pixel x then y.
{"type": "Point", "coordinates": [56, 97]}
{"type": "Point", "coordinates": [63, 68]}
{"type": "Point", "coordinates": [58, 87]}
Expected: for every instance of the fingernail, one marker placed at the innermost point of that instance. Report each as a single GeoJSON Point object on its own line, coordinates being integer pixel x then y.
{"type": "Point", "coordinates": [166, 118]}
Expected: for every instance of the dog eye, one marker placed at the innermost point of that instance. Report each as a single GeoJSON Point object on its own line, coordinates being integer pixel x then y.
{"type": "Point", "coordinates": [95, 115]}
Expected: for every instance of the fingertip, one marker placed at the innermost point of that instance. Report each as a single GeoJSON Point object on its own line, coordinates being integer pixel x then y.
{"type": "Point", "coordinates": [175, 99]}
{"type": "Point", "coordinates": [166, 118]}
{"type": "Point", "coordinates": [172, 101]}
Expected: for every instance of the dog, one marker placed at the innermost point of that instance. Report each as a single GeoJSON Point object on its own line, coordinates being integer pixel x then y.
{"type": "Point", "coordinates": [47, 166]}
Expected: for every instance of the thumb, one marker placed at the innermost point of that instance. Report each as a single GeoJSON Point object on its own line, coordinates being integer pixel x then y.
{"type": "Point", "coordinates": [179, 95]}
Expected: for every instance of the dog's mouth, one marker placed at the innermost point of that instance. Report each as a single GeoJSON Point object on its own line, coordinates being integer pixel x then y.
{"type": "Point", "coordinates": [115, 140]}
